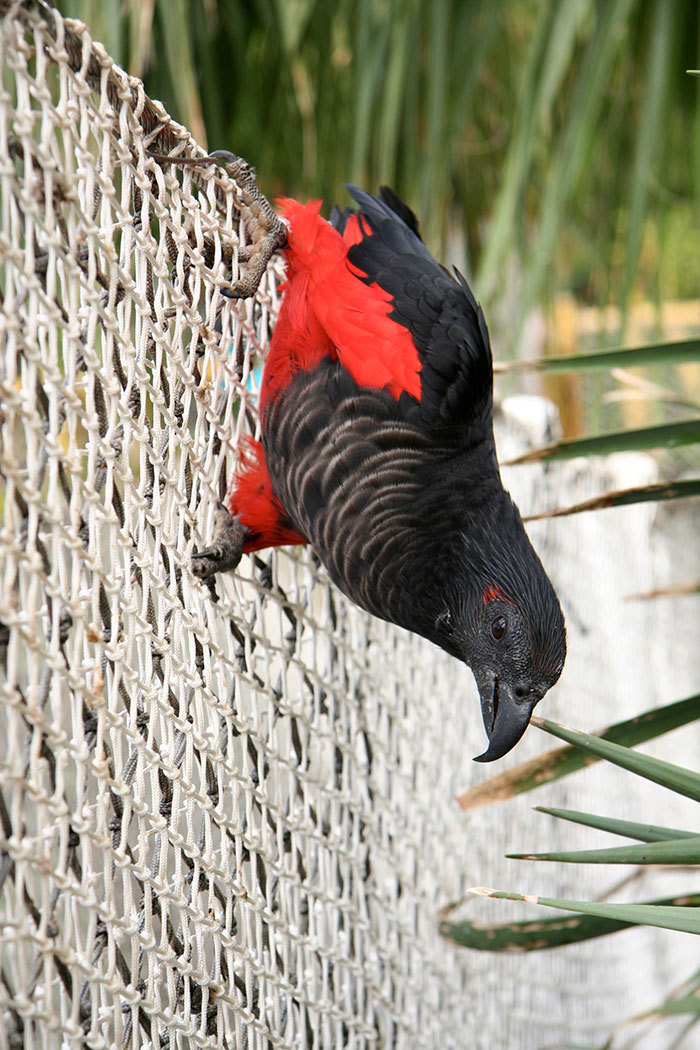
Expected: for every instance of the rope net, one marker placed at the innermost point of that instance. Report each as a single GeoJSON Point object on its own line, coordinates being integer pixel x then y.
{"type": "Point", "coordinates": [227, 813]}
{"type": "Point", "coordinates": [200, 789]}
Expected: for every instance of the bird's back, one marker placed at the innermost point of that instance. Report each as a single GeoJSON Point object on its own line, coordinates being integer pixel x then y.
{"type": "Point", "coordinates": [367, 431]}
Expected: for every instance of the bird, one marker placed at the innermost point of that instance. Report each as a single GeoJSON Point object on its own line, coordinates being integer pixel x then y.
{"type": "Point", "coordinates": [377, 449]}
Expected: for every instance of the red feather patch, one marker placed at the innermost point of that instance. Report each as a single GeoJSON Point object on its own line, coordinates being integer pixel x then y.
{"type": "Point", "coordinates": [329, 311]}
{"type": "Point", "coordinates": [493, 593]}
{"type": "Point", "coordinates": [255, 505]}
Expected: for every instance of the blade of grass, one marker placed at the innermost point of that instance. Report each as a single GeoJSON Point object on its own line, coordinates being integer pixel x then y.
{"type": "Point", "coordinates": [673, 353]}
{"type": "Point", "coordinates": [654, 81]}
{"type": "Point", "coordinates": [688, 987]}
{"type": "Point", "coordinates": [668, 435]}
{"type": "Point", "coordinates": [677, 778]}
{"type": "Point", "coordinates": [629, 828]}
{"type": "Point", "coordinates": [677, 590]}
{"type": "Point", "coordinates": [175, 25]}
{"type": "Point", "coordinates": [562, 761]}
{"type": "Point", "coordinates": [547, 933]}
{"type": "Point", "coordinates": [551, 46]}
{"type": "Point", "coordinates": [402, 42]}
{"type": "Point", "coordinates": [292, 21]}
{"type": "Point", "coordinates": [105, 20]}
{"type": "Point", "coordinates": [674, 851]}
{"type": "Point", "coordinates": [576, 144]}
{"type": "Point", "coordinates": [370, 44]}
{"type": "Point", "coordinates": [685, 918]}
{"type": "Point", "coordinates": [473, 42]}
{"type": "Point", "coordinates": [663, 490]}
{"type": "Point", "coordinates": [140, 21]}
{"type": "Point", "coordinates": [685, 1004]}
{"type": "Point", "coordinates": [434, 174]}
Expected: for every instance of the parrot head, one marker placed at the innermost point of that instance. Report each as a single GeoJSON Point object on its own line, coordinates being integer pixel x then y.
{"type": "Point", "coordinates": [501, 616]}
{"type": "Point", "coordinates": [513, 670]}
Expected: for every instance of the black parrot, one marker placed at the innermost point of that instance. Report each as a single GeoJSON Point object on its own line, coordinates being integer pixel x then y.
{"type": "Point", "coordinates": [378, 450]}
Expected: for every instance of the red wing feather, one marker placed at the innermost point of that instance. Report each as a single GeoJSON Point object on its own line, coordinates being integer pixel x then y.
{"type": "Point", "coordinates": [329, 311]}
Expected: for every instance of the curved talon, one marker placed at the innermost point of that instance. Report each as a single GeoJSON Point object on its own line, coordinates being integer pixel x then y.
{"type": "Point", "coordinates": [226, 549]}
{"type": "Point", "coordinates": [226, 157]}
{"type": "Point", "coordinates": [239, 290]}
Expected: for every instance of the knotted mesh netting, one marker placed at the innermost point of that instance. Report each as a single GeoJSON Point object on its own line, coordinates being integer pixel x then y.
{"type": "Point", "coordinates": [227, 813]}
{"type": "Point", "coordinates": [187, 805]}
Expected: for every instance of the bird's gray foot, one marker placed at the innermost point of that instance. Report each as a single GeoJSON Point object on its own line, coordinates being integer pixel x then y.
{"type": "Point", "coordinates": [266, 231]}
{"type": "Point", "coordinates": [226, 549]}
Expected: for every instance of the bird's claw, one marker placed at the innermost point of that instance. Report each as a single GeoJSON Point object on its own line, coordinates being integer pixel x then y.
{"type": "Point", "coordinates": [226, 549]}
{"type": "Point", "coordinates": [266, 231]}
{"type": "Point", "coordinates": [225, 157]}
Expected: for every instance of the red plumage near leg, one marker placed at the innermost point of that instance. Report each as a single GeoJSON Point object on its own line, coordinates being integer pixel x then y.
{"type": "Point", "coordinates": [253, 503]}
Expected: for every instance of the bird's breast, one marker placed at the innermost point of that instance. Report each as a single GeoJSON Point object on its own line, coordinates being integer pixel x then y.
{"type": "Point", "coordinates": [350, 468]}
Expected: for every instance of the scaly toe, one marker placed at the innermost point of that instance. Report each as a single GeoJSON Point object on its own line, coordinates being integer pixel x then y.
{"type": "Point", "coordinates": [226, 549]}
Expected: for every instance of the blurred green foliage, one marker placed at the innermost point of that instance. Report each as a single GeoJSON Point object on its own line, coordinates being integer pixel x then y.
{"type": "Point", "coordinates": [562, 138]}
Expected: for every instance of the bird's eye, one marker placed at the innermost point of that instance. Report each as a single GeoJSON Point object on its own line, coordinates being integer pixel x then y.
{"type": "Point", "coordinates": [498, 627]}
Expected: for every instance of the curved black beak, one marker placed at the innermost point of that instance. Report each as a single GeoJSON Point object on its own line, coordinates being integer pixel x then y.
{"type": "Point", "coordinates": [505, 717]}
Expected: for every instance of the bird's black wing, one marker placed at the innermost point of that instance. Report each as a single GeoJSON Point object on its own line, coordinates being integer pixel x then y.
{"type": "Point", "coordinates": [439, 310]}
